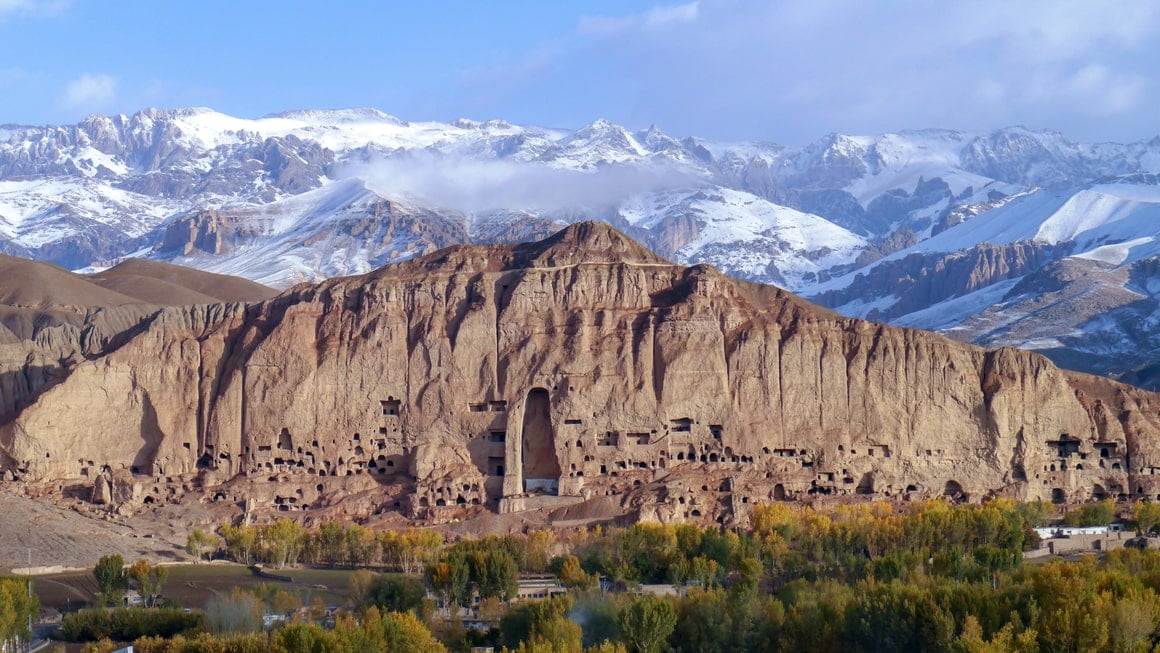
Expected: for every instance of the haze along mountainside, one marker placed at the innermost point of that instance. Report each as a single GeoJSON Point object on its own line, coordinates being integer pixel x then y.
{"type": "Point", "coordinates": [1008, 238]}
{"type": "Point", "coordinates": [577, 376]}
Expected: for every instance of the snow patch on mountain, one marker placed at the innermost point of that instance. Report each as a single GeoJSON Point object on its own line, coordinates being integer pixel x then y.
{"type": "Point", "coordinates": [41, 211]}
{"type": "Point", "coordinates": [946, 315]}
{"type": "Point", "coordinates": [748, 236]}
{"type": "Point", "coordinates": [1115, 254]}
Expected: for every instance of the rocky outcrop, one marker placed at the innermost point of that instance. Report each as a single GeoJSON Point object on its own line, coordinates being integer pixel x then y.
{"type": "Point", "coordinates": [369, 227]}
{"type": "Point", "coordinates": [919, 281]}
{"type": "Point", "coordinates": [580, 367]}
{"type": "Point", "coordinates": [205, 231]}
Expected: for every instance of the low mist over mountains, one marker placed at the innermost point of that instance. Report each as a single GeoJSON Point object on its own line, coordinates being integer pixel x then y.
{"type": "Point", "coordinates": [1014, 237]}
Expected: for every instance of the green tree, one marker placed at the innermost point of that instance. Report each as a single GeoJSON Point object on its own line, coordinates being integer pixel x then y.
{"type": "Point", "coordinates": [359, 587]}
{"type": "Point", "coordinates": [234, 612]}
{"type": "Point", "coordinates": [1147, 516]}
{"type": "Point", "coordinates": [332, 543]}
{"type": "Point", "coordinates": [411, 550]}
{"type": "Point", "coordinates": [1035, 513]}
{"type": "Point", "coordinates": [16, 610]}
{"type": "Point", "coordinates": [361, 545]}
{"type": "Point", "coordinates": [397, 593]}
{"type": "Point", "coordinates": [308, 637]}
{"type": "Point", "coordinates": [438, 577]}
{"type": "Point", "coordinates": [110, 575]}
{"type": "Point", "coordinates": [555, 635]}
{"type": "Point", "coordinates": [149, 580]}
{"type": "Point", "coordinates": [573, 576]}
{"type": "Point", "coordinates": [649, 550]}
{"type": "Point", "coordinates": [646, 623]}
{"type": "Point", "coordinates": [526, 619]}
{"type": "Point", "coordinates": [1100, 513]}
{"type": "Point", "coordinates": [495, 574]}
{"type": "Point", "coordinates": [387, 631]}
{"type": "Point", "coordinates": [898, 617]}
{"type": "Point", "coordinates": [1007, 640]}
{"type": "Point", "coordinates": [703, 625]}
{"type": "Point", "coordinates": [200, 544]}
{"type": "Point", "coordinates": [1073, 615]}
{"type": "Point", "coordinates": [283, 542]}
{"type": "Point", "coordinates": [241, 542]}
{"type": "Point", "coordinates": [537, 550]}
{"type": "Point", "coordinates": [1132, 622]}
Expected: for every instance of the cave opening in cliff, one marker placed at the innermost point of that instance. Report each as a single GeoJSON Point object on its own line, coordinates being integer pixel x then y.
{"type": "Point", "coordinates": [390, 406]}
{"type": "Point", "coordinates": [540, 465]}
{"type": "Point", "coordinates": [953, 491]}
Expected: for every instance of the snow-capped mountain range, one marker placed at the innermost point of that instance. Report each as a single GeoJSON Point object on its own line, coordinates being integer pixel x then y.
{"type": "Point", "coordinates": [1013, 237]}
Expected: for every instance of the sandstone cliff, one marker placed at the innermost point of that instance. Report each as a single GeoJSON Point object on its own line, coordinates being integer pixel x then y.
{"type": "Point", "coordinates": [545, 374]}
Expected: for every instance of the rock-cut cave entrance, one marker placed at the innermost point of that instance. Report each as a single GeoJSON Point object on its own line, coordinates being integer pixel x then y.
{"type": "Point", "coordinates": [541, 468]}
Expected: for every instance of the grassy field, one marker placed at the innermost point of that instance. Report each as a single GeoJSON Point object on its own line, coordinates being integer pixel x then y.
{"type": "Point", "coordinates": [192, 586]}
{"type": "Point", "coordinates": [336, 580]}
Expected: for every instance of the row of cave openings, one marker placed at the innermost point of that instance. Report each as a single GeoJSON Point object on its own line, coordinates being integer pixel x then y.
{"type": "Point", "coordinates": [952, 490]}
{"type": "Point", "coordinates": [380, 454]}
{"type": "Point", "coordinates": [541, 469]}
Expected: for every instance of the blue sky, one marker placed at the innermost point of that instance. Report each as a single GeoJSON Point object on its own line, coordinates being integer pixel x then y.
{"type": "Point", "coordinates": [786, 72]}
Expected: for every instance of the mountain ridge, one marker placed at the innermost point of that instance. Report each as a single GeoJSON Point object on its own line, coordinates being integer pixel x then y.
{"type": "Point", "coordinates": [305, 195]}
{"type": "Point", "coordinates": [511, 378]}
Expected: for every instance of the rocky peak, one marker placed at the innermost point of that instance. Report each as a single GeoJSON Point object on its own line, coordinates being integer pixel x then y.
{"type": "Point", "coordinates": [587, 242]}
{"type": "Point", "coordinates": [582, 242]}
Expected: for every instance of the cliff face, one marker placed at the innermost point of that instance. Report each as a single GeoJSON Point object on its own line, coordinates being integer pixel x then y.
{"type": "Point", "coordinates": [922, 280]}
{"type": "Point", "coordinates": [550, 373]}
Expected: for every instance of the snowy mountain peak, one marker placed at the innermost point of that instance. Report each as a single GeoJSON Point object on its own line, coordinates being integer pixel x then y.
{"type": "Point", "coordinates": [928, 227]}
{"type": "Point", "coordinates": [595, 144]}
{"type": "Point", "coordinates": [656, 141]}
{"type": "Point", "coordinates": [340, 116]}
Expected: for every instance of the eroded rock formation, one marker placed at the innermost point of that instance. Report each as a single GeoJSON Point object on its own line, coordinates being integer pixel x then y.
{"type": "Point", "coordinates": [551, 373]}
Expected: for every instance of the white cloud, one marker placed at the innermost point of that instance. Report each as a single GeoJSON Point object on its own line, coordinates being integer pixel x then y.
{"type": "Point", "coordinates": [990, 92]}
{"type": "Point", "coordinates": [39, 7]}
{"type": "Point", "coordinates": [1053, 30]}
{"type": "Point", "coordinates": [474, 186]}
{"type": "Point", "coordinates": [792, 70]}
{"type": "Point", "coordinates": [1092, 89]}
{"type": "Point", "coordinates": [90, 92]}
{"type": "Point", "coordinates": [657, 17]}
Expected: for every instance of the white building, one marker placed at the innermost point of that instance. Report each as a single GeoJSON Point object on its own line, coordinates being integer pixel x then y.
{"type": "Point", "coordinates": [1049, 532]}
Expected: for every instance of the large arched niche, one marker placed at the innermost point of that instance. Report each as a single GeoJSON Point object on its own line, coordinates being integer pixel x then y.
{"type": "Point", "coordinates": [541, 467]}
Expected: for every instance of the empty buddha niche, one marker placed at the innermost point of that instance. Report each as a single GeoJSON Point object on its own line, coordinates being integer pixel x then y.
{"type": "Point", "coordinates": [541, 467]}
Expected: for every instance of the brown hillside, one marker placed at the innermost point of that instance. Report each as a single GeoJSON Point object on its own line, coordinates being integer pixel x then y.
{"type": "Point", "coordinates": [162, 283]}
{"type": "Point", "coordinates": [32, 283]}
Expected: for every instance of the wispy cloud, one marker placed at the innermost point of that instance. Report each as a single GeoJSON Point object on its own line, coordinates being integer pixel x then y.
{"type": "Point", "coordinates": [1093, 88]}
{"type": "Point", "coordinates": [791, 70]}
{"type": "Point", "coordinates": [473, 186]}
{"type": "Point", "coordinates": [658, 17]}
{"type": "Point", "coordinates": [34, 7]}
{"type": "Point", "coordinates": [90, 92]}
